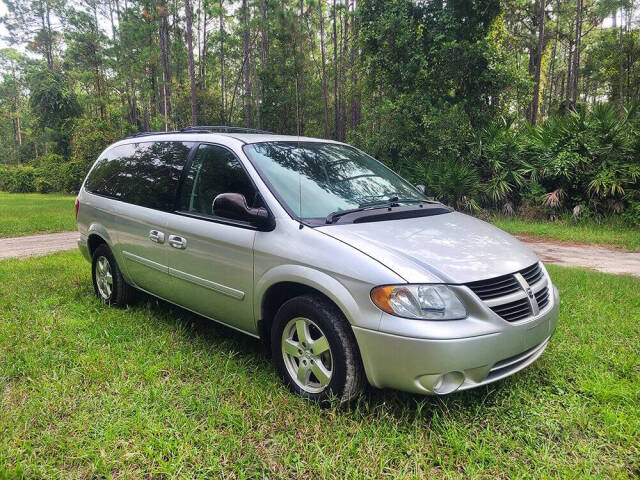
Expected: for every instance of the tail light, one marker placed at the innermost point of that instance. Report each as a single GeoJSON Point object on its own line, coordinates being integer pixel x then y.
{"type": "Point", "coordinates": [77, 206]}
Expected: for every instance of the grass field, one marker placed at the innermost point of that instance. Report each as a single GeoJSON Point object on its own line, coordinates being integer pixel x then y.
{"type": "Point", "coordinates": [28, 213]}
{"type": "Point", "coordinates": [88, 391]}
{"type": "Point", "coordinates": [607, 234]}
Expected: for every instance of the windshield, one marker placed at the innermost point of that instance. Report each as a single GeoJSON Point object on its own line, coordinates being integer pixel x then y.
{"type": "Point", "coordinates": [317, 179]}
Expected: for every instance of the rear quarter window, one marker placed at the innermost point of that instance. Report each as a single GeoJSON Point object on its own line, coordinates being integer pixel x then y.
{"type": "Point", "coordinates": [145, 174]}
{"type": "Point", "coordinates": [106, 175]}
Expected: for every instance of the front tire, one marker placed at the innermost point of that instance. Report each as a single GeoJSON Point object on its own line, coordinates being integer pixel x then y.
{"type": "Point", "coordinates": [315, 352]}
{"type": "Point", "coordinates": [108, 282]}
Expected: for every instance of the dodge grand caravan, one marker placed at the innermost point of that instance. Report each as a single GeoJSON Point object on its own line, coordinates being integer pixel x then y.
{"type": "Point", "coordinates": [349, 273]}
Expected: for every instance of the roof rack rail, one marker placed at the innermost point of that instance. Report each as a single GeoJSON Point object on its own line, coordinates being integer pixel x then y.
{"type": "Point", "coordinates": [146, 134]}
{"type": "Point", "coordinates": [202, 129]}
{"type": "Point", "coordinates": [221, 129]}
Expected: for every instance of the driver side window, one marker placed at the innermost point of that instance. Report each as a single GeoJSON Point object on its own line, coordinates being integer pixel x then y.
{"type": "Point", "coordinates": [214, 170]}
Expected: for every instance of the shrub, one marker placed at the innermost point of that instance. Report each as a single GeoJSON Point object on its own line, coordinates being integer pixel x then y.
{"type": "Point", "coordinates": [587, 158]}
{"type": "Point", "coordinates": [50, 177]}
{"type": "Point", "coordinates": [43, 185]}
{"type": "Point", "coordinates": [91, 136]}
{"type": "Point", "coordinates": [17, 179]}
{"type": "Point", "coordinates": [632, 214]}
{"type": "Point", "coordinates": [47, 160]}
{"type": "Point", "coordinates": [453, 183]}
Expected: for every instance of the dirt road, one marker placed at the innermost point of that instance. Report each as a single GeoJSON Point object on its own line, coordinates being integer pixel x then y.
{"type": "Point", "coordinates": [607, 260]}
{"type": "Point", "coordinates": [37, 244]}
{"type": "Point", "coordinates": [571, 255]}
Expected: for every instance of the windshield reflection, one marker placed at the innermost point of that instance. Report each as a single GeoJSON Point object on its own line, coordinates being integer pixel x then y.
{"type": "Point", "coordinates": [316, 179]}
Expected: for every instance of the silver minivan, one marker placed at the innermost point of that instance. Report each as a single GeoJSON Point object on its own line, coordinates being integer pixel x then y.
{"type": "Point", "coordinates": [346, 271]}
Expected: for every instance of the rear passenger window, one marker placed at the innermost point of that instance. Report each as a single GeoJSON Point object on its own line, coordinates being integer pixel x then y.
{"type": "Point", "coordinates": [214, 170]}
{"type": "Point", "coordinates": [145, 174]}
{"type": "Point", "coordinates": [152, 173]}
{"type": "Point", "coordinates": [105, 177]}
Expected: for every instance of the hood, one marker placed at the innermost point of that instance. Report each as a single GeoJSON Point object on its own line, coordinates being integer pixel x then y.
{"type": "Point", "coordinates": [452, 248]}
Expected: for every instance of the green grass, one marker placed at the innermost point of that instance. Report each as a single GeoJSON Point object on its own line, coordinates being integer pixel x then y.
{"type": "Point", "coordinates": [89, 391]}
{"type": "Point", "coordinates": [611, 234]}
{"type": "Point", "coordinates": [28, 213]}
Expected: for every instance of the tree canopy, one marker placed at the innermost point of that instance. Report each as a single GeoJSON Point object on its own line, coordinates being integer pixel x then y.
{"type": "Point", "coordinates": [502, 94]}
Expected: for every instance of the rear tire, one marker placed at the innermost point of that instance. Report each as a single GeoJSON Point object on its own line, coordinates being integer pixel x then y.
{"type": "Point", "coordinates": [315, 352]}
{"type": "Point", "coordinates": [108, 282]}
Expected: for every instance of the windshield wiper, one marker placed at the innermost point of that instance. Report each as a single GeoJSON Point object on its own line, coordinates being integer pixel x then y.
{"type": "Point", "coordinates": [372, 205]}
{"type": "Point", "coordinates": [391, 202]}
{"type": "Point", "coordinates": [333, 216]}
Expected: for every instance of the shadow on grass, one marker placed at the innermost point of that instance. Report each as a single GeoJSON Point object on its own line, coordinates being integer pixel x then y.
{"type": "Point", "coordinates": [374, 403]}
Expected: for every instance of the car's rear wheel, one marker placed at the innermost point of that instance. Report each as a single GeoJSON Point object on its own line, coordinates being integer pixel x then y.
{"type": "Point", "coordinates": [314, 350]}
{"type": "Point", "coordinates": [108, 282]}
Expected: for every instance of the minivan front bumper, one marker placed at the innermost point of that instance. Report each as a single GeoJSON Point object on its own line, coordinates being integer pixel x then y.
{"type": "Point", "coordinates": [440, 366]}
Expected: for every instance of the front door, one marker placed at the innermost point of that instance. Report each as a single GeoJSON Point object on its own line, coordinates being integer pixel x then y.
{"type": "Point", "coordinates": [210, 258]}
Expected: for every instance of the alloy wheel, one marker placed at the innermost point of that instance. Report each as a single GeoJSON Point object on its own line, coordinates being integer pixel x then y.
{"type": "Point", "coordinates": [104, 278]}
{"type": "Point", "coordinates": [307, 355]}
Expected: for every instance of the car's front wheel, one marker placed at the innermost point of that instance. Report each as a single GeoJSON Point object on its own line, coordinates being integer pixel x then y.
{"type": "Point", "coordinates": [108, 282]}
{"type": "Point", "coordinates": [315, 351]}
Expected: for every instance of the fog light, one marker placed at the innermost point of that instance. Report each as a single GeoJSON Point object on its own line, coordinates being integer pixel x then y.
{"type": "Point", "coordinates": [448, 383]}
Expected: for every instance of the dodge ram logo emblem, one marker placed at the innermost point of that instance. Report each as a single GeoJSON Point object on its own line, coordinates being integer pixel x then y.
{"type": "Point", "coordinates": [529, 292]}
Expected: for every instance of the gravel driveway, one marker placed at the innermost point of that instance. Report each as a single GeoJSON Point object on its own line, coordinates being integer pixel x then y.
{"type": "Point", "coordinates": [37, 244]}
{"type": "Point", "coordinates": [607, 260]}
{"type": "Point", "coordinates": [571, 255]}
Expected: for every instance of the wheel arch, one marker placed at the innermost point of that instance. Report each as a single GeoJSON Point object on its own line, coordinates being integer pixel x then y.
{"type": "Point", "coordinates": [96, 235]}
{"type": "Point", "coordinates": [288, 281]}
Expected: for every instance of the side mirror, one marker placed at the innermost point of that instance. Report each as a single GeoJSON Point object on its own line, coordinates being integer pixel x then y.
{"type": "Point", "coordinates": [234, 207]}
{"type": "Point", "coordinates": [421, 188]}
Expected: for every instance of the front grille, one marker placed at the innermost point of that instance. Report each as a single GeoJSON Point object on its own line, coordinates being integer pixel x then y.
{"type": "Point", "coordinates": [514, 311]}
{"type": "Point", "coordinates": [542, 297]}
{"type": "Point", "coordinates": [505, 284]}
{"type": "Point", "coordinates": [495, 287]}
{"type": "Point", "coordinates": [532, 274]}
{"type": "Point", "coordinates": [516, 362]}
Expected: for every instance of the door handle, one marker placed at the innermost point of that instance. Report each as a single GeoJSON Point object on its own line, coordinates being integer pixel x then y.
{"type": "Point", "coordinates": [156, 236]}
{"type": "Point", "coordinates": [177, 242]}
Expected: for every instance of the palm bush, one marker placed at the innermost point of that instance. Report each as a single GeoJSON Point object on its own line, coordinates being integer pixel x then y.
{"type": "Point", "coordinates": [495, 152]}
{"type": "Point", "coordinates": [588, 157]}
{"type": "Point", "coordinates": [452, 182]}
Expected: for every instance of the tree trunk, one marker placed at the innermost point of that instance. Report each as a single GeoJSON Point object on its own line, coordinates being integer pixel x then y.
{"type": "Point", "coordinates": [336, 109]}
{"type": "Point", "coordinates": [146, 123]}
{"type": "Point", "coordinates": [223, 85]}
{"type": "Point", "coordinates": [576, 55]}
{"type": "Point", "coordinates": [325, 93]}
{"type": "Point", "coordinates": [203, 58]}
{"type": "Point", "coordinates": [552, 66]}
{"type": "Point", "coordinates": [343, 74]}
{"type": "Point", "coordinates": [17, 131]}
{"type": "Point", "coordinates": [620, 63]}
{"type": "Point", "coordinates": [533, 108]}
{"type": "Point", "coordinates": [49, 43]}
{"type": "Point", "coordinates": [192, 73]}
{"type": "Point", "coordinates": [569, 82]}
{"type": "Point", "coordinates": [355, 91]}
{"type": "Point", "coordinates": [165, 51]}
{"type": "Point", "coordinates": [246, 49]}
{"type": "Point", "coordinates": [300, 89]}
{"type": "Point", "coordinates": [628, 29]}
{"type": "Point", "coordinates": [264, 52]}
{"type": "Point", "coordinates": [198, 42]}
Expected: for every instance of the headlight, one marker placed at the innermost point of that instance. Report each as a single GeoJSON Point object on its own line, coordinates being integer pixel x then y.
{"type": "Point", "coordinates": [426, 302]}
